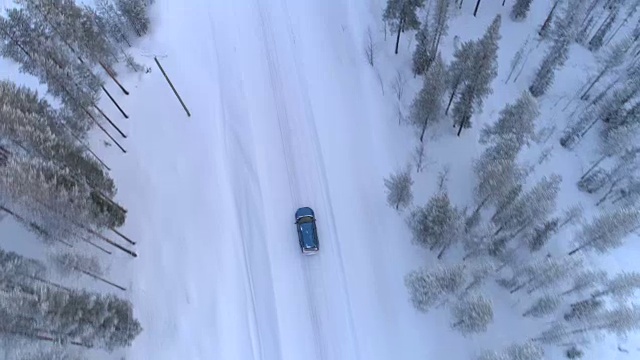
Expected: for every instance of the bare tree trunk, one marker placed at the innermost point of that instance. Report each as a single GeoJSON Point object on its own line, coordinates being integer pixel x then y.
{"type": "Point", "coordinates": [593, 166]}
{"type": "Point", "coordinates": [399, 30]}
{"type": "Point", "coordinates": [95, 245]}
{"type": "Point", "coordinates": [475, 11]}
{"type": "Point", "coordinates": [45, 281]}
{"type": "Point", "coordinates": [424, 128]}
{"type": "Point", "coordinates": [174, 89]}
{"type": "Point", "coordinates": [464, 121]}
{"type": "Point", "coordinates": [547, 21]}
{"type": "Point", "coordinates": [453, 94]}
{"type": "Point", "coordinates": [123, 236]}
{"type": "Point", "coordinates": [114, 102]}
{"type": "Point", "coordinates": [109, 120]}
{"type": "Point", "coordinates": [100, 278]}
{"type": "Point", "coordinates": [113, 77]}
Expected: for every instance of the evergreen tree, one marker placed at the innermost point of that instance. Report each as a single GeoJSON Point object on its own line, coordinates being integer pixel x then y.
{"type": "Point", "coordinates": [422, 56]}
{"type": "Point", "coordinates": [427, 287]}
{"type": "Point", "coordinates": [542, 234]}
{"type": "Point", "coordinates": [497, 172]}
{"type": "Point", "coordinates": [515, 120]}
{"type": "Point", "coordinates": [436, 224]}
{"type": "Point", "coordinates": [553, 60]}
{"type": "Point", "coordinates": [518, 351]}
{"type": "Point", "coordinates": [544, 306]}
{"type": "Point", "coordinates": [472, 315]}
{"type": "Point", "coordinates": [460, 68]}
{"type": "Point", "coordinates": [621, 287]}
{"type": "Point", "coordinates": [401, 16]}
{"type": "Point", "coordinates": [520, 9]}
{"type": "Point", "coordinates": [399, 189]}
{"type": "Point", "coordinates": [440, 23]}
{"type": "Point", "coordinates": [427, 105]}
{"type": "Point", "coordinates": [531, 208]}
{"type": "Point", "coordinates": [608, 230]}
{"type": "Point", "coordinates": [478, 84]}
{"type": "Point", "coordinates": [87, 319]}
{"type": "Point", "coordinates": [136, 14]}
{"type": "Point", "coordinates": [586, 280]}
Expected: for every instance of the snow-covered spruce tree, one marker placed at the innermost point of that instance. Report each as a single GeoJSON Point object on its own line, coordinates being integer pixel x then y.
{"type": "Point", "coordinates": [75, 28]}
{"type": "Point", "coordinates": [472, 315]}
{"type": "Point", "coordinates": [497, 172]}
{"type": "Point", "coordinates": [619, 321]}
{"type": "Point", "coordinates": [531, 208]}
{"type": "Point", "coordinates": [544, 306]}
{"type": "Point", "coordinates": [612, 58]}
{"type": "Point", "coordinates": [584, 311]}
{"type": "Point", "coordinates": [574, 353]}
{"type": "Point", "coordinates": [430, 286]}
{"type": "Point", "coordinates": [422, 56]}
{"type": "Point", "coordinates": [545, 29]}
{"type": "Point", "coordinates": [53, 352]}
{"type": "Point", "coordinates": [628, 193]}
{"type": "Point", "coordinates": [542, 234]}
{"type": "Point", "coordinates": [76, 316]}
{"type": "Point", "coordinates": [553, 60]}
{"type": "Point", "coordinates": [478, 84]}
{"type": "Point", "coordinates": [136, 13]}
{"type": "Point", "coordinates": [624, 170]}
{"type": "Point", "coordinates": [16, 269]}
{"type": "Point", "coordinates": [607, 231]}
{"type": "Point", "coordinates": [435, 226]}
{"type": "Point", "coordinates": [27, 43]}
{"type": "Point", "coordinates": [49, 198]}
{"type": "Point", "coordinates": [518, 351]}
{"type": "Point", "coordinates": [400, 15]}
{"type": "Point", "coordinates": [586, 280]}
{"type": "Point", "coordinates": [427, 105]}
{"type": "Point", "coordinates": [597, 40]}
{"type": "Point", "coordinates": [520, 9]}
{"type": "Point", "coordinates": [440, 23]}
{"type": "Point", "coordinates": [543, 273]}
{"type": "Point", "coordinates": [399, 194]}
{"type": "Point", "coordinates": [460, 68]}
{"type": "Point", "coordinates": [112, 22]}
{"type": "Point", "coordinates": [621, 287]}
{"type": "Point", "coordinates": [515, 119]}
{"type": "Point", "coordinates": [32, 125]}
{"type": "Point", "coordinates": [74, 264]}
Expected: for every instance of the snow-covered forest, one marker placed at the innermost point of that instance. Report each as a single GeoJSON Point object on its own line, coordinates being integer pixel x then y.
{"type": "Point", "coordinates": [519, 238]}
{"type": "Point", "coordinates": [473, 166]}
{"type": "Point", "coordinates": [54, 185]}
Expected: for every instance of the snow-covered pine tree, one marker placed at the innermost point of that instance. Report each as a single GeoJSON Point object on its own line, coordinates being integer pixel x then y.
{"type": "Point", "coordinates": [422, 56]}
{"type": "Point", "coordinates": [430, 286]}
{"type": "Point", "coordinates": [497, 172]}
{"type": "Point", "coordinates": [472, 315]}
{"type": "Point", "coordinates": [543, 273]}
{"type": "Point", "coordinates": [136, 13]}
{"type": "Point", "coordinates": [478, 84]}
{"type": "Point", "coordinates": [435, 226]}
{"type": "Point", "coordinates": [427, 105]}
{"type": "Point", "coordinates": [544, 306]}
{"type": "Point", "coordinates": [460, 69]}
{"type": "Point", "coordinates": [612, 58]}
{"type": "Point", "coordinates": [32, 125]}
{"type": "Point", "coordinates": [597, 40]}
{"type": "Point", "coordinates": [81, 317]}
{"type": "Point", "coordinates": [619, 321]}
{"type": "Point", "coordinates": [531, 208]}
{"type": "Point", "coordinates": [608, 230]}
{"type": "Point", "coordinates": [621, 287]}
{"type": "Point", "coordinates": [553, 60]}
{"type": "Point", "coordinates": [54, 352]}
{"type": "Point", "coordinates": [440, 23]}
{"type": "Point", "coordinates": [542, 234]}
{"type": "Point", "coordinates": [586, 280]}
{"type": "Point", "coordinates": [520, 9]}
{"type": "Point", "coordinates": [515, 119]}
{"type": "Point", "coordinates": [524, 351]}
{"type": "Point", "coordinates": [399, 194]}
{"type": "Point", "coordinates": [74, 264]}
{"type": "Point", "coordinates": [400, 15]}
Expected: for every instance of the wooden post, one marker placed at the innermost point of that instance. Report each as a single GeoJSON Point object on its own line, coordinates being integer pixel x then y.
{"type": "Point", "coordinates": [172, 87]}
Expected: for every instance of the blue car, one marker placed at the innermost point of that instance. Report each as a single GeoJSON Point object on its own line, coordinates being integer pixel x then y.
{"type": "Point", "coordinates": [307, 231]}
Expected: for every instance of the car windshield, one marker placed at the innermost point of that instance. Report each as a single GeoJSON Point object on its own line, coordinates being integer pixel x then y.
{"type": "Point", "coordinates": [306, 219]}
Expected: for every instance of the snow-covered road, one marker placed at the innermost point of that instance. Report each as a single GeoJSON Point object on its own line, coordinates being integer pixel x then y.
{"type": "Point", "coordinates": [283, 117]}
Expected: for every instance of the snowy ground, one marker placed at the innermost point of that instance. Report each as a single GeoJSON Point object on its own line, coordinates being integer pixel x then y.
{"type": "Point", "coordinates": [287, 113]}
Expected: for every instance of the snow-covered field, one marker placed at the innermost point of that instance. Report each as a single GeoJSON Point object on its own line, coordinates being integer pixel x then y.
{"type": "Point", "coordinates": [286, 112]}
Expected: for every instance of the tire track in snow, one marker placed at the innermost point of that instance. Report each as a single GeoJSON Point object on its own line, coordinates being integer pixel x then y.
{"type": "Point", "coordinates": [265, 341]}
{"type": "Point", "coordinates": [285, 135]}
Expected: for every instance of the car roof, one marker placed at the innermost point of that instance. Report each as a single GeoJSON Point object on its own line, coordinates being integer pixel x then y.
{"type": "Point", "coordinates": [308, 234]}
{"type": "Point", "coordinates": [304, 211]}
